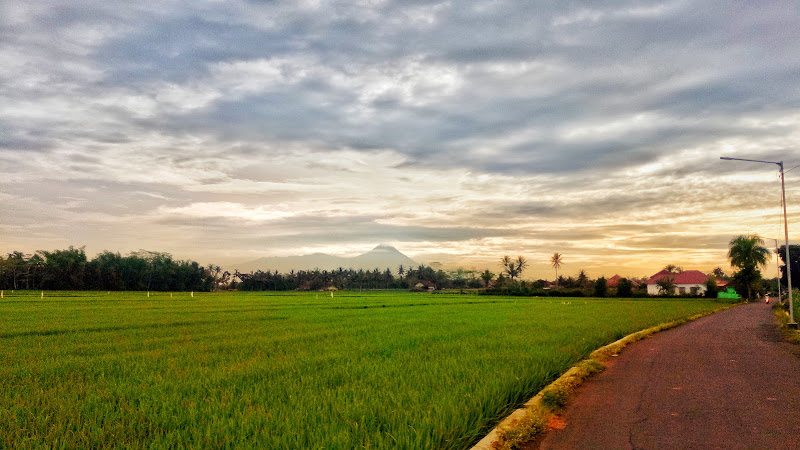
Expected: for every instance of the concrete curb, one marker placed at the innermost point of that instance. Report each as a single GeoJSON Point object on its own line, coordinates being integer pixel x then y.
{"type": "Point", "coordinates": [571, 379]}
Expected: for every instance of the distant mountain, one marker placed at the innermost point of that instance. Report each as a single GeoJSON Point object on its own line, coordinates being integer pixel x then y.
{"type": "Point", "coordinates": [381, 257]}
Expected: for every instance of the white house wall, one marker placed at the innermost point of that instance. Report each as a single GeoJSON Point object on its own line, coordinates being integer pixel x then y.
{"type": "Point", "coordinates": [652, 289]}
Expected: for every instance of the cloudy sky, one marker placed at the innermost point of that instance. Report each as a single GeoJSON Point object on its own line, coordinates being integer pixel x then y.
{"type": "Point", "coordinates": [222, 131]}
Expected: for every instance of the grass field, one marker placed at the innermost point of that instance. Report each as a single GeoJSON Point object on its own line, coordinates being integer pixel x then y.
{"type": "Point", "coordinates": [289, 370]}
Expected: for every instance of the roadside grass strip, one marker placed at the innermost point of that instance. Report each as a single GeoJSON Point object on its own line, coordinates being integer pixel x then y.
{"type": "Point", "coordinates": [781, 312]}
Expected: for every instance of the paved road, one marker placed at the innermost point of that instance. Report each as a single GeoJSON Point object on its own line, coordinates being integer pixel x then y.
{"type": "Point", "coordinates": [723, 381]}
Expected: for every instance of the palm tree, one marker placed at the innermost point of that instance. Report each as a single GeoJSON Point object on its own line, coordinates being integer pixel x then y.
{"type": "Point", "coordinates": [505, 261]}
{"type": "Point", "coordinates": [513, 267]}
{"type": "Point", "coordinates": [747, 253]}
{"type": "Point", "coordinates": [522, 264]}
{"type": "Point", "coordinates": [508, 266]}
{"type": "Point", "coordinates": [556, 262]}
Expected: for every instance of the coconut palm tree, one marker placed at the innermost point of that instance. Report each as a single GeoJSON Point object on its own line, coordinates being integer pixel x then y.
{"type": "Point", "coordinates": [747, 253]}
{"type": "Point", "coordinates": [522, 264]}
{"type": "Point", "coordinates": [556, 262]}
{"type": "Point", "coordinates": [513, 267]}
{"type": "Point", "coordinates": [508, 265]}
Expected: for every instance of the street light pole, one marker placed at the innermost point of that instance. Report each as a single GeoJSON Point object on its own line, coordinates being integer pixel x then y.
{"type": "Point", "coordinates": [792, 323]}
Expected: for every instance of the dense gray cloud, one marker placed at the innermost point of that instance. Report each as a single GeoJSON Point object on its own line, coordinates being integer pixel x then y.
{"type": "Point", "coordinates": [472, 129]}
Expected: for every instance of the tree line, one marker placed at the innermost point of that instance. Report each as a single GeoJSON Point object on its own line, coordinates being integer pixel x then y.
{"type": "Point", "coordinates": [508, 282]}
{"type": "Point", "coordinates": [69, 269]}
{"type": "Point", "coordinates": [419, 278]}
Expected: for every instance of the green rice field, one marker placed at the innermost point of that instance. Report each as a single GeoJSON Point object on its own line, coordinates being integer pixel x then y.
{"type": "Point", "coordinates": [289, 370]}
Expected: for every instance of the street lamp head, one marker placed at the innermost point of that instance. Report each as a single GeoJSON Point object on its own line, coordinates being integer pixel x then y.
{"type": "Point", "coordinates": [727, 158]}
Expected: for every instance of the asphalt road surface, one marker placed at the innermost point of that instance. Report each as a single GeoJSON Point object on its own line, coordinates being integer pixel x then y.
{"type": "Point", "coordinates": [723, 381]}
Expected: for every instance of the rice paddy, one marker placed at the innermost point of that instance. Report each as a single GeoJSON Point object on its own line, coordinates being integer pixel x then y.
{"type": "Point", "coordinates": [289, 370]}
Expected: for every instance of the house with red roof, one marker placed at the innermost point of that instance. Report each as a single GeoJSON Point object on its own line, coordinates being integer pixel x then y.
{"type": "Point", "coordinates": [613, 281]}
{"type": "Point", "coordinates": [691, 282]}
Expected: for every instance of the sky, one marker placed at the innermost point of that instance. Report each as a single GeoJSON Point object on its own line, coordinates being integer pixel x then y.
{"type": "Point", "coordinates": [458, 132]}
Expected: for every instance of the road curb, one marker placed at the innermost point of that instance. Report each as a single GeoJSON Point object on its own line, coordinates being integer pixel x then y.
{"type": "Point", "coordinates": [530, 421]}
